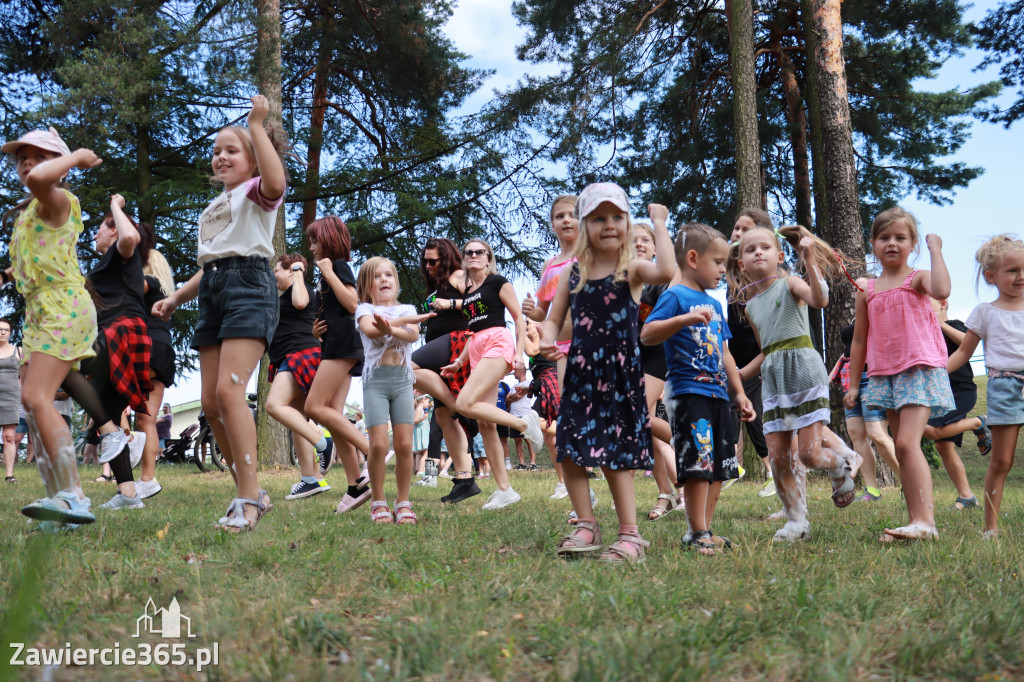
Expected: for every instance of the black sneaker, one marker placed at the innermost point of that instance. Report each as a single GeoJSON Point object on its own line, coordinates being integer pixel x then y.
{"type": "Point", "coordinates": [592, 474]}
{"type": "Point", "coordinates": [462, 489]}
{"type": "Point", "coordinates": [533, 467]}
{"type": "Point", "coordinates": [303, 489]}
{"type": "Point", "coordinates": [326, 457]}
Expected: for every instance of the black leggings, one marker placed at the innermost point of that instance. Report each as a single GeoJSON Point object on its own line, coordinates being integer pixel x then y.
{"type": "Point", "coordinates": [434, 355]}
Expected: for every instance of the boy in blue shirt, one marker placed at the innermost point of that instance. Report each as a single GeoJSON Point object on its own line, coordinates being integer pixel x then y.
{"type": "Point", "coordinates": [701, 373]}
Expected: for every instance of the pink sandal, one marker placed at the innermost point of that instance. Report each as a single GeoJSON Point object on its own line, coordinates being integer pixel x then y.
{"type": "Point", "coordinates": [585, 537]}
{"type": "Point", "coordinates": [405, 514]}
{"type": "Point", "coordinates": [380, 513]}
{"type": "Point", "coordinates": [348, 503]}
{"type": "Point", "coordinates": [627, 548]}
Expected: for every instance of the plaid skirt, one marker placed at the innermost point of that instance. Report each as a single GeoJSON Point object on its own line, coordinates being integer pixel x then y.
{"type": "Point", "coordinates": [302, 365]}
{"type": "Point", "coordinates": [547, 394]}
{"type": "Point", "coordinates": [129, 348]}
{"type": "Point", "coordinates": [458, 342]}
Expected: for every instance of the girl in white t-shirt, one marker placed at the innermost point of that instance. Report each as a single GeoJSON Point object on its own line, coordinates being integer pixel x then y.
{"type": "Point", "coordinates": [1001, 325]}
{"type": "Point", "coordinates": [237, 293]}
{"type": "Point", "coordinates": [388, 329]}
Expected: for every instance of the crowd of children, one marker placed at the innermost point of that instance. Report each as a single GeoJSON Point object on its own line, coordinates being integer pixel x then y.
{"type": "Point", "coordinates": [622, 324]}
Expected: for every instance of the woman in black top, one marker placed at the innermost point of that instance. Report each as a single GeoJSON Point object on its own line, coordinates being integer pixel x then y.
{"type": "Point", "coordinates": [158, 284]}
{"type": "Point", "coordinates": [446, 336]}
{"type": "Point", "coordinates": [490, 354]}
{"type": "Point", "coordinates": [341, 348]}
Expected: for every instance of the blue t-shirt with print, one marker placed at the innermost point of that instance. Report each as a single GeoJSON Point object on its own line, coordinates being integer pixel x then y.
{"type": "Point", "coordinates": [695, 361]}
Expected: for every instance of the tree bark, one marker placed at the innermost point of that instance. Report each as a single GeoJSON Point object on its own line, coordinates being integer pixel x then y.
{"type": "Point", "coordinates": [271, 435]}
{"type": "Point", "coordinates": [814, 119]}
{"type": "Point", "coordinates": [749, 192]}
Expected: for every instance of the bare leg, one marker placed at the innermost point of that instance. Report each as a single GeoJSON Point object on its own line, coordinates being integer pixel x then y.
{"type": "Point", "coordinates": [954, 468]}
{"type": "Point", "coordinates": [455, 439]}
{"type": "Point", "coordinates": [908, 426]}
{"type": "Point", "coordinates": [306, 454]}
{"type": "Point", "coordinates": [377, 465]}
{"type": "Point", "coordinates": [878, 433]}
{"type": "Point", "coordinates": [1004, 442]}
{"type": "Point", "coordinates": [10, 448]}
{"type": "Point", "coordinates": [55, 452]}
{"type": "Point", "coordinates": [326, 399]}
{"type": "Point", "coordinates": [620, 483]}
{"type": "Point", "coordinates": [578, 485]}
{"type": "Point", "coordinates": [859, 437]}
{"type": "Point", "coordinates": [147, 424]}
{"type": "Point", "coordinates": [783, 461]}
{"type": "Point", "coordinates": [402, 440]}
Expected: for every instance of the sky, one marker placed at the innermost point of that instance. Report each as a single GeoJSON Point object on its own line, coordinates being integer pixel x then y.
{"type": "Point", "coordinates": [485, 30]}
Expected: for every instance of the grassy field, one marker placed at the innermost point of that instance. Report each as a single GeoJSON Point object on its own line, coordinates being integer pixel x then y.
{"type": "Point", "coordinates": [480, 595]}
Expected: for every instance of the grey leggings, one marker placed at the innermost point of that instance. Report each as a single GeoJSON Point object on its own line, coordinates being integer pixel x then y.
{"type": "Point", "coordinates": [387, 394]}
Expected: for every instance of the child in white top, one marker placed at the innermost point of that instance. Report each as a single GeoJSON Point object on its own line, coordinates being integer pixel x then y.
{"type": "Point", "coordinates": [388, 329]}
{"type": "Point", "coordinates": [237, 293]}
{"type": "Point", "coordinates": [1001, 325]}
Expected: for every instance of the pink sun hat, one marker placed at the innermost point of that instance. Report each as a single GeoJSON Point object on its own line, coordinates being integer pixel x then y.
{"type": "Point", "coordinates": [596, 194]}
{"type": "Point", "coordinates": [47, 140]}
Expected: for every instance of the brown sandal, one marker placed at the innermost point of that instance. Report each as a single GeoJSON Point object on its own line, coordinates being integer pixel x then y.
{"type": "Point", "coordinates": [627, 548]}
{"type": "Point", "coordinates": [576, 543]}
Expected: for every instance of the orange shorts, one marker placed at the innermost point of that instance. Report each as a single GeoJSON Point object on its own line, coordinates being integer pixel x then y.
{"type": "Point", "coordinates": [496, 342]}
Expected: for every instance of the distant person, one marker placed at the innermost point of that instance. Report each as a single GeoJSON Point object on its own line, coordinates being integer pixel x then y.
{"type": "Point", "coordinates": [163, 427]}
{"type": "Point", "coordinates": [10, 397]}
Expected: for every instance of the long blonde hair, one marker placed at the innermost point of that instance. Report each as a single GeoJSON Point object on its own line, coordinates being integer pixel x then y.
{"type": "Point", "coordinates": [830, 262]}
{"type": "Point", "coordinates": [584, 254]}
{"type": "Point", "coordinates": [158, 267]}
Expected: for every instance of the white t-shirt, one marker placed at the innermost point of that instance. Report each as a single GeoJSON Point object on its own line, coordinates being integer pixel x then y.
{"type": "Point", "coordinates": [373, 349]}
{"type": "Point", "coordinates": [239, 222]}
{"type": "Point", "coordinates": [1003, 334]}
{"type": "Point", "coordinates": [519, 408]}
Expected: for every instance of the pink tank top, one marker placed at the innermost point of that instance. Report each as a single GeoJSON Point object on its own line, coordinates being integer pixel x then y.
{"type": "Point", "coordinates": [903, 330]}
{"type": "Point", "coordinates": [549, 279]}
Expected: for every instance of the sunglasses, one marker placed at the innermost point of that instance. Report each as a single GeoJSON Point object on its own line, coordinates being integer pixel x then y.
{"type": "Point", "coordinates": [473, 253]}
{"type": "Point", "coordinates": [431, 261]}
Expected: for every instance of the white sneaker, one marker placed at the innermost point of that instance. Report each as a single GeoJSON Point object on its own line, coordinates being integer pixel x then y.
{"type": "Point", "coordinates": [533, 432]}
{"type": "Point", "coordinates": [148, 488]}
{"type": "Point", "coordinates": [120, 501]}
{"type": "Point", "coordinates": [593, 498]}
{"type": "Point", "coordinates": [500, 499]}
{"type": "Point", "coordinates": [136, 443]}
{"type": "Point", "coordinates": [111, 445]}
{"type": "Point", "coordinates": [508, 464]}
{"type": "Point", "coordinates": [560, 492]}
{"type": "Point", "coordinates": [769, 488]}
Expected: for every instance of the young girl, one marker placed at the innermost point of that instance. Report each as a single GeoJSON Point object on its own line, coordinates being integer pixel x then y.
{"type": "Point", "coordinates": [341, 353]}
{"type": "Point", "coordinates": [1001, 325]}
{"type": "Point", "coordinates": [897, 334]}
{"type": "Point", "coordinates": [294, 358]}
{"type": "Point", "coordinates": [237, 298]}
{"type": "Point", "coordinates": [490, 354]}
{"type": "Point", "coordinates": [388, 329]}
{"type": "Point", "coordinates": [794, 379]}
{"type": "Point", "coordinates": [60, 318]}
{"type": "Point", "coordinates": [565, 226]}
{"type": "Point", "coordinates": [603, 416]}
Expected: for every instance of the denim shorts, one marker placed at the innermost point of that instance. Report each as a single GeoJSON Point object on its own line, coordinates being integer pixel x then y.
{"type": "Point", "coordinates": [862, 410]}
{"type": "Point", "coordinates": [1005, 396]}
{"type": "Point", "coordinates": [387, 394]}
{"type": "Point", "coordinates": [237, 299]}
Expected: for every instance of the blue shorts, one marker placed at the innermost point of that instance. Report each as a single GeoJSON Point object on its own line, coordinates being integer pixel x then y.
{"type": "Point", "coordinates": [1005, 396]}
{"type": "Point", "coordinates": [918, 385]}
{"type": "Point", "coordinates": [22, 426]}
{"type": "Point", "coordinates": [237, 299]}
{"type": "Point", "coordinates": [861, 410]}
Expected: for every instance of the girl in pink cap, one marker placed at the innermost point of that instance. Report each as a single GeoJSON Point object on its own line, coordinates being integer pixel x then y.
{"type": "Point", "coordinates": [60, 319]}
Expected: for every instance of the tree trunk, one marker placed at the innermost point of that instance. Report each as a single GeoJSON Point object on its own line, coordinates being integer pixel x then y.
{"type": "Point", "coordinates": [798, 140]}
{"type": "Point", "coordinates": [316, 130]}
{"type": "Point", "coordinates": [814, 119]}
{"type": "Point", "coordinates": [271, 435]}
{"type": "Point", "coordinates": [740, 15]}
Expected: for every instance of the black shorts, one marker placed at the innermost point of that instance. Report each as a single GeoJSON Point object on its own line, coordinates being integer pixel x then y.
{"type": "Point", "coordinates": [502, 431]}
{"type": "Point", "coordinates": [162, 363]}
{"type": "Point", "coordinates": [654, 362]}
{"type": "Point", "coordinates": [703, 437]}
{"type": "Point", "coordinates": [965, 402]}
{"type": "Point", "coordinates": [433, 355]}
{"type": "Point", "coordinates": [515, 433]}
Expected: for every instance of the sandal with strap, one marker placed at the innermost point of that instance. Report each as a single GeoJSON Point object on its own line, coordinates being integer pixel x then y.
{"type": "Point", "coordinates": [585, 537]}
{"type": "Point", "coordinates": [380, 513]}
{"type": "Point", "coordinates": [626, 548]}
{"type": "Point", "coordinates": [844, 494]}
{"type": "Point", "coordinates": [703, 541]}
{"type": "Point", "coordinates": [965, 503]}
{"type": "Point", "coordinates": [234, 520]}
{"type": "Point", "coordinates": [658, 511]}
{"type": "Point", "coordinates": [105, 479]}
{"type": "Point", "coordinates": [984, 435]}
{"type": "Point", "coordinates": [404, 513]}
{"type": "Point", "coordinates": [10, 479]}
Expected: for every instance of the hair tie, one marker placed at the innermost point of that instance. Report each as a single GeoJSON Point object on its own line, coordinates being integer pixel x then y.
{"type": "Point", "coordinates": [845, 271]}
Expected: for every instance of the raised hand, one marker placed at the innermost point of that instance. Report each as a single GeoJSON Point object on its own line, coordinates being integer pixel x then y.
{"type": "Point", "coordinates": [259, 111]}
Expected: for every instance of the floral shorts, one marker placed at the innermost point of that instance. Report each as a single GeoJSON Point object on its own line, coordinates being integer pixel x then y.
{"type": "Point", "coordinates": [919, 385]}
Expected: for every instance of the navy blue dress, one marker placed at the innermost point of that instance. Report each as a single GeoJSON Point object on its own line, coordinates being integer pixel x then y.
{"type": "Point", "coordinates": [602, 419]}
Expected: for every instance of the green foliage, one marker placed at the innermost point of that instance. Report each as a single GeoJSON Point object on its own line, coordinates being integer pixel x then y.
{"type": "Point", "coordinates": [1001, 33]}
{"type": "Point", "coordinates": [646, 98]}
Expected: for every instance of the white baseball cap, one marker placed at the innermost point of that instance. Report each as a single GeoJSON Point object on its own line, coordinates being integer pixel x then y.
{"type": "Point", "coordinates": [596, 194]}
{"type": "Point", "coordinates": [48, 140]}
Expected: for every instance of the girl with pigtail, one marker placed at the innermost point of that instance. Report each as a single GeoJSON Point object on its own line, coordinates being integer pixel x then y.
{"type": "Point", "coordinates": [795, 382]}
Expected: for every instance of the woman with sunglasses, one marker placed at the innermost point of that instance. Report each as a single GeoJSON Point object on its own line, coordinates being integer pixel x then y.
{"type": "Point", "coordinates": [490, 354]}
{"type": "Point", "coordinates": [446, 336]}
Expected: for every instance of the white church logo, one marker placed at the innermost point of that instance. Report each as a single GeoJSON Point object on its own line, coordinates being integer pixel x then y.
{"type": "Point", "coordinates": [168, 623]}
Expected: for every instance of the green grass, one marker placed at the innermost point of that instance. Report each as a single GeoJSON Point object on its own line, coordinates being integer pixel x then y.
{"type": "Point", "coordinates": [475, 595]}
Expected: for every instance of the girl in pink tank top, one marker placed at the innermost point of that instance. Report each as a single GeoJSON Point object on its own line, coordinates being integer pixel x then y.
{"type": "Point", "coordinates": [898, 335]}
